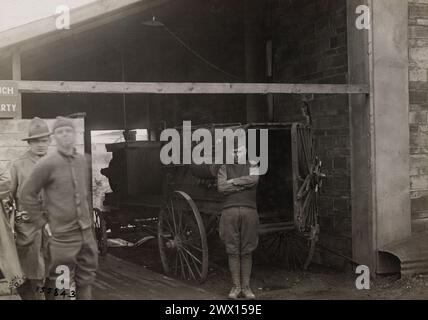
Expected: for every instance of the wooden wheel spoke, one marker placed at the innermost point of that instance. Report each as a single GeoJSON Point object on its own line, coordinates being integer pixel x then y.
{"type": "Point", "coordinates": [180, 220]}
{"type": "Point", "coordinates": [308, 148]}
{"type": "Point", "coordinates": [187, 225]}
{"type": "Point", "coordinates": [193, 259]}
{"type": "Point", "coordinates": [189, 267]}
{"type": "Point", "coordinates": [303, 187]}
{"type": "Point", "coordinates": [193, 246]}
{"type": "Point", "coordinates": [173, 216]}
{"type": "Point", "coordinates": [196, 266]}
{"type": "Point", "coordinates": [302, 144]}
{"type": "Point", "coordinates": [305, 146]}
{"type": "Point", "coordinates": [197, 269]}
{"type": "Point", "coordinates": [312, 212]}
{"type": "Point", "coordinates": [191, 254]}
{"type": "Point", "coordinates": [271, 244]}
{"type": "Point", "coordinates": [182, 266]}
{"type": "Point", "coordinates": [307, 216]}
{"type": "Point", "coordinates": [176, 265]}
{"type": "Point", "coordinates": [170, 228]}
{"type": "Point", "coordinates": [305, 204]}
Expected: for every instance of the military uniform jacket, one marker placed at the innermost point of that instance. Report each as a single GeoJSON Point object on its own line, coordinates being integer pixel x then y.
{"type": "Point", "coordinates": [19, 172]}
{"type": "Point", "coordinates": [10, 267]}
{"type": "Point", "coordinates": [31, 256]}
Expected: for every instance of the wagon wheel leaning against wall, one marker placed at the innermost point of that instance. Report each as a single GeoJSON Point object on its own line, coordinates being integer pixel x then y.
{"type": "Point", "coordinates": [293, 242]}
{"type": "Point", "coordinates": [182, 239]}
{"type": "Point", "coordinates": [307, 182]}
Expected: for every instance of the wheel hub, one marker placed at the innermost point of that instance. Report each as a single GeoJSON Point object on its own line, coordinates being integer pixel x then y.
{"type": "Point", "coordinates": [174, 243]}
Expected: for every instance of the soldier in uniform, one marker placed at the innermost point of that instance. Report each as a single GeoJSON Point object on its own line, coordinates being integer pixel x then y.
{"type": "Point", "coordinates": [239, 221]}
{"type": "Point", "coordinates": [63, 176]}
{"type": "Point", "coordinates": [32, 257]}
{"type": "Point", "coordinates": [10, 268]}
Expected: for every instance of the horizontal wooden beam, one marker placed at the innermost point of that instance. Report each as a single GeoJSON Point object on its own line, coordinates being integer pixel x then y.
{"type": "Point", "coordinates": [185, 88]}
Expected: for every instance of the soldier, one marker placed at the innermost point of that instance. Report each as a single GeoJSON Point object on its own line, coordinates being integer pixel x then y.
{"type": "Point", "coordinates": [32, 257]}
{"type": "Point", "coordinates": [10, 267]}
{"type": "Point", "coordinates": [63, 176]}
{"type": "Point", "coordinates": [239, 220]}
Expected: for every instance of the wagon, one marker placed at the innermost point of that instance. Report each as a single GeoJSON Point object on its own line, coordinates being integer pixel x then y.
{"type": "Point", "coordinates": [180, 204]}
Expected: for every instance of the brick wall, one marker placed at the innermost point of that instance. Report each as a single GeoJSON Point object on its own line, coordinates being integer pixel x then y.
{"type": "Point", "coordinates": [418, 113]}
{"type": "Point", "coordinates": [311, 46]}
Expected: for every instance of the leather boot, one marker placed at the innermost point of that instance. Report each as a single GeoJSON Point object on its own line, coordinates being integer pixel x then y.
{"type": "Point", "coordinates": [84, 292]}
{"type": "Point", "coordinates": [32, 290]}
{"type": "Point", "coordinates": [36, 287]}
{"type": "Point", "coordinates": [246, 264]}
{"type": "Point", "coordinates": [45, 285]}
{"type": "Point", "coordinates": [50, 289]}
{"type": "Point", "coordinates": [235, 271]}
{"type": "Point", "coordinates": [25, 291]}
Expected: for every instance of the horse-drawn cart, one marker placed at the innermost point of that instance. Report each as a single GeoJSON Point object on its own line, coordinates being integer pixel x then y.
{"type": "Point", "coordinates": [183, 203]}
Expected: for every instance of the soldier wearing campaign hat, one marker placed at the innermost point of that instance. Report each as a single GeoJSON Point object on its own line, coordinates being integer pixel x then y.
{"type": "Point", "coordinates": [32, 257]}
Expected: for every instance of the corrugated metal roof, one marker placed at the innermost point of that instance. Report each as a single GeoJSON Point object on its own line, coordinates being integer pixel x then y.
{"type": "Point", "coordinates": [412, 253]}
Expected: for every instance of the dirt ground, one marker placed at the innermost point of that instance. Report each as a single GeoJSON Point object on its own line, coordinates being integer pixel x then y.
{"type": "Point", "coordinates": [272, 281]}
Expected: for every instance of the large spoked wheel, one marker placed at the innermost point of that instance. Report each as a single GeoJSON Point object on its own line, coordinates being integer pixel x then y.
{"type": "Point", "coordinates": [300, 249]}
{"type": "Point", "coordinates": [307, 179]}
{"type": "Point", "coordinates": [100, 231]}
{"type": "Point", "coordinates": [182, 239]}
{"type": "Point", "coordinates": [291, 248]}
{"type": "Point", "coordinates": [272, 248]}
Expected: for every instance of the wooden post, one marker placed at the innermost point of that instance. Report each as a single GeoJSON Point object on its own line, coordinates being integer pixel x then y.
{"type": "Point", "coordinates": [361, 143]}
{"type": "Point", "coordinates": [17, 76]}
{"type": "Point", "coordinates": [255, 58]}
{"type": "Point", "coordinates": [379, 132]}
{"type": "Point", "coordinates": [390, 105]}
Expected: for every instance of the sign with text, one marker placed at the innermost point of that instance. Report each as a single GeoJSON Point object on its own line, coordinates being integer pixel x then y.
{"type": "Point", "coordinates": [10, 99]}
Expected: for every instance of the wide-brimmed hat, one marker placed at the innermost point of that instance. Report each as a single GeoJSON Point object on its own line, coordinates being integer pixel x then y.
{"type": "Point", "coordinates": [38, 129]}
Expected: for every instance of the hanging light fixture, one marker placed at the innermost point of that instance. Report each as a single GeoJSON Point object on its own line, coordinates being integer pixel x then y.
{"type": "Point", "coordinates": [156, 23]}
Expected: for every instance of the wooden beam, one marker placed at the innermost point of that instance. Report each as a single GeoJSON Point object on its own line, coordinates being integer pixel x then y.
{"type": "Point", "coordinates": [16, 65]}
{"type": "Point", "coordinates": [17, 76]}
{"type": "Point", "coordinates": [186, 88]}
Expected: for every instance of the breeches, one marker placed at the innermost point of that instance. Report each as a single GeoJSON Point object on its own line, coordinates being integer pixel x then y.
{"type": "Point", "coordinates": [239, 230]}
{"type": "Point", "coordinates": [77, 250]}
